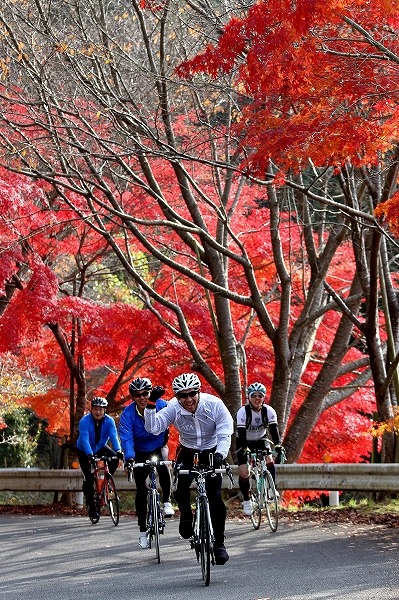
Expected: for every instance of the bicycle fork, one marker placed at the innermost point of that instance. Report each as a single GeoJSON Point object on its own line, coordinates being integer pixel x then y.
{"type": "Point", "coordinates": [197, 530]}
{"type": "Point", "coordinates": [152, 501]}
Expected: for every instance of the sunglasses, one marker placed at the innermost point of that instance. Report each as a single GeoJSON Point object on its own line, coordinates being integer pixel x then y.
{"type": "Point", "coordinates": [142, 395]}
{"type": "Point", "coordinates": [186, 395]}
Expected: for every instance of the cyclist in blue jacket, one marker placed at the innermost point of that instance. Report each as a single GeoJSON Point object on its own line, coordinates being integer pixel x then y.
{"type": "Point", "coordinates": [139, 445]}
{"type": "Point", "coordinates": [95, 429]}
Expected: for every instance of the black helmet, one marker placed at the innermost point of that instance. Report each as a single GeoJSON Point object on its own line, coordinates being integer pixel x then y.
{"type": "Point", "coordinates": [99, 401]}
{"type": "Point", "coordinates": [140, 384]}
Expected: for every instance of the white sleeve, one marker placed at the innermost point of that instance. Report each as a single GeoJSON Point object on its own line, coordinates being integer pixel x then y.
{"type": "Point", "coordinates": [271, 415]}
{"type": "Point", "coordinates": [156, 422]}
{"type": "Point", "coordinates": [241, 417]}
{"type": "Point", "coordinates": [224, 429]}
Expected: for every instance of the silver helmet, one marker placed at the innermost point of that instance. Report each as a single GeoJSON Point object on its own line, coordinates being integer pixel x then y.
{"type": "Point", "coordinates": [186, 381]}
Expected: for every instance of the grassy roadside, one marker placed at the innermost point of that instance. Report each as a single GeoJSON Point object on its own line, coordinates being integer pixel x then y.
{"type": "Point", "coordinates": [363, 511]}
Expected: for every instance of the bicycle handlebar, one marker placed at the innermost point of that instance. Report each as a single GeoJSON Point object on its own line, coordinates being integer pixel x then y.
{"type": "Point", "coordinates": [200, 471]}
{"type": "Point", "coordinates": [147, 463]}
{"type": "Point", "coordinates": [105, 458]}
{"type": "Point", "coordinates": [98, 459]}
{"type": "Point", "coordinates": [204, 470]}
{"type": "Point", "coordinates": [153, 463]}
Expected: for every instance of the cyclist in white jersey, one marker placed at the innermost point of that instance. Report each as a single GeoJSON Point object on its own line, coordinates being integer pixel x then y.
{"type": "Point", "coordinates": [205, 427]}
{"type": "Point", "coordinates": [253, 421]}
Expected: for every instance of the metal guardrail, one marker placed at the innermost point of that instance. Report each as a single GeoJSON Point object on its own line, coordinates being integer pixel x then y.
{"type": "Point", "coordinates": [342, 476]}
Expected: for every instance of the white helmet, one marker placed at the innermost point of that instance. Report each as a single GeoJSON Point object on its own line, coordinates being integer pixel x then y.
{"type": "Point", "coordinates": [186, 381]}
{"type": "Point", "coordinates": [256, 387]}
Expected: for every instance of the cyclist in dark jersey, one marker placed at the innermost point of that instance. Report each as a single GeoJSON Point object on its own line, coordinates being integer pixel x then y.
{"type": "Point", "coordinates": [253, 421]}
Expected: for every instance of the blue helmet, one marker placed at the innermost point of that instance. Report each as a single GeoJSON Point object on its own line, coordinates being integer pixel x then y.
{"type": "Point", "coordinates": [256, 387]}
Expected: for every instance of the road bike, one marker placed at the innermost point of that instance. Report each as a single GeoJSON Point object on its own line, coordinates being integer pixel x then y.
{"type": "Point", "coordinates": [203, 537]}
{"type": "Point", "coordinates": [105, 493]}
{"type": "Point", "coordinates": [155, 515]}
{"type": "Point", "coordinates": [263, 493]}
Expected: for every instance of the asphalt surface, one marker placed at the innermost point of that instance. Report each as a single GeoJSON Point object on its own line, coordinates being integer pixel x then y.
{"type": "Point", "coordinates": [68, 558]}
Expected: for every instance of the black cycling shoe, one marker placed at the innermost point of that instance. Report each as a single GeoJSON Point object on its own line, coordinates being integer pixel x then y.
{"type": "Point", "coordinates": [220, 554]}
{"type": "Point", "coordinates": [94, 516]}
{"type": "Point", "coordinates": [186, 528]}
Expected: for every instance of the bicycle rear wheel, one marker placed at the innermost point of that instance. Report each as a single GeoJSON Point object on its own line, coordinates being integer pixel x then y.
{"type": "Point", "coordinates": [271, 501]}
{"type": "Point", "coordinates": [205, 542]}
{"type": "Point", "coordinates": [111, 498]}
{"type": "Point", "coordinates": [256, 516]}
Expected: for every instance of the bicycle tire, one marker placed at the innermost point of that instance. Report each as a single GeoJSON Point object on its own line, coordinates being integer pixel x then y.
{"type": "Point", "coordinates": [155, 522]}
{"type": "Point", "coordinates": [256, 516]}
{"type": "Point", "coordinates": [205, 541]}
{"type": "Point", "coordinates": [111, 498]}
{"type": "Point", "coordinates": [271, 502]}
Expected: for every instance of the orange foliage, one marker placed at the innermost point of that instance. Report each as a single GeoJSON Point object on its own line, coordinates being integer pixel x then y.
{"type": "Point", "coordinates": [319, 88]}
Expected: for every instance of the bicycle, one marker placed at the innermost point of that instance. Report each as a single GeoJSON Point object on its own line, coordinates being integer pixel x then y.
{"type": "Point", "coordinates": [263, 493]}
{"type": "Point", "coordinates": [155, 515]}
{"type": "Point", "coordinates": [105, 490]}
{"type": "Point", "coordinates": [203, 537]}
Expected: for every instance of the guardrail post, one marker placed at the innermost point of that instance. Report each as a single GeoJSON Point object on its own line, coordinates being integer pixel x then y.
{"type": "Point", "coordinates": [333, 498]}
{"type": "Point", "coordinates": [79, 499]}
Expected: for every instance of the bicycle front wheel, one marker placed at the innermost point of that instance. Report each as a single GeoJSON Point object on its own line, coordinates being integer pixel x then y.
{"type": "Point", "coordinates": [205, 542]}
{"type": "Point", "coordinates": [155, 523]}
{"type": "Point", "coordinates": [111, 498]}
{"type": "Point", "coordinates": [256, 516]}
{"type": "Point", "coordinates": [271, 501]}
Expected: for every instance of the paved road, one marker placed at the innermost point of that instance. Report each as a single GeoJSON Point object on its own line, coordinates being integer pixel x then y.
{"type": "Point", "coordinates": [68, 558]}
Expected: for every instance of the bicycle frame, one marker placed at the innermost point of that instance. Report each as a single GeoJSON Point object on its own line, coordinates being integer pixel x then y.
{"type": "Point", "coordinates": [155, 515]}
{"type": "Point", "coordinates": [263, 491]}
{"type": "Point", "coordinates": [203, 537]}
{"type": "Point", "coordinates": [105, 493]}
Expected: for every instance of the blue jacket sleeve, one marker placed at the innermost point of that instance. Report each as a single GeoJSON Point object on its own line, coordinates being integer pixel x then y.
{"type": "Point", "coordinates": [84, 436]}
{"type": "Point", "coordinates": [113, 435]}
{"type": "Point", "coordinates": [126, 433]}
